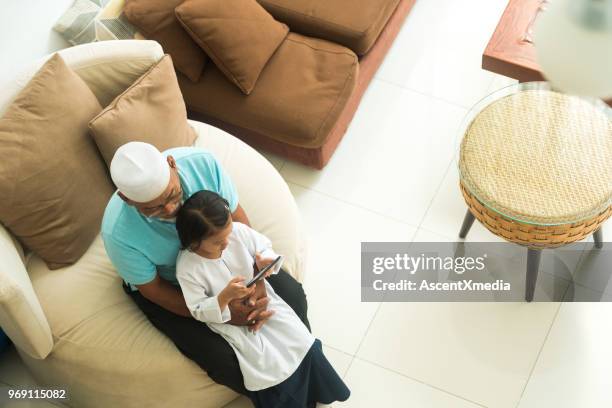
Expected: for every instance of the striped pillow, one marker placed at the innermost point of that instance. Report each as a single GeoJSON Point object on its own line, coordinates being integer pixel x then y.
{"type": "Point", "coordinates": [95, 20]}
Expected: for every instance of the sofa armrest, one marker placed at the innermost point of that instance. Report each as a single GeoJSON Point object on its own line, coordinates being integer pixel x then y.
{"type": "Point", "coordinates": [21, 316]}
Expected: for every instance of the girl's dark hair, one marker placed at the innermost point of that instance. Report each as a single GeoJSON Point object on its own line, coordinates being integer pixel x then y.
{"type": "Point", "coordinates": [203, 214]}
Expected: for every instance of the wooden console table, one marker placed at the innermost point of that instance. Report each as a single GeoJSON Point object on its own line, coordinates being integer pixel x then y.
{"type": "Point", "coordinates": [510, 51]}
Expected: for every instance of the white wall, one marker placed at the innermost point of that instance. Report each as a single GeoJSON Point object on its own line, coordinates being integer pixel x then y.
{"type": "Point", "coordinates": [26, 34]}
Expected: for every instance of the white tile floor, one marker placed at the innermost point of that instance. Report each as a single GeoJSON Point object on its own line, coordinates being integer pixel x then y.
{"type": "Point", "coordinates": [393, 178]}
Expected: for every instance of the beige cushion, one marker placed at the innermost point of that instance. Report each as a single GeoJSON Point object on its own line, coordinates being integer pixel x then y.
{"type": "Point", "coordinates": [355, 24]}
{"type": "Point", "coordinates": [156, 20]}
{"type": "Point", "coordinates": [151, 110]}
{"type": "Point", "coordinates": [238, 35]}
{"type": "Point", "coordinates": [53, 182]}
{"type": "Point", "coordinates": [106, 352]}
{"type": "Point", "coordinates": [298, 97]}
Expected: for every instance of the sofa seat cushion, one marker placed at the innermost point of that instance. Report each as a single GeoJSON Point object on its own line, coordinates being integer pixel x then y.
{"type": "Point", "coordinates": [353, 23]}
{"type": "Point", "coordinates": [107, 343]}
{"type": "Point", "coordinates": [298, 98]}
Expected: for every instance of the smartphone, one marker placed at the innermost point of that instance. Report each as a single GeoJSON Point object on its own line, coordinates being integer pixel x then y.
{"type": "Point", "coordinates": [261, 273]}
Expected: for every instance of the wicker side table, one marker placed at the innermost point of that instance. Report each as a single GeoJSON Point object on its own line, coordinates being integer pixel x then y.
{"type": "Point", "coordinates": [536, 169]}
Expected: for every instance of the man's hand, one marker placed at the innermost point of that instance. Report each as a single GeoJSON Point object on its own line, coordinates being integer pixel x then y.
{"type": "Point", "coordinates": [251, 311]}
{"type": "Point", "coordinates": [260, 292]}
{"type": "Point", "coordinates": [245, 315]}
{"type": "Point", "coordinates": [260, 316]}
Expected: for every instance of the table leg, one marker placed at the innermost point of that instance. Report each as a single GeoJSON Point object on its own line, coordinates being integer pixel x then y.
{"type": "Point", "coordinates": [533, 266]}
{"type": "Point", "coordinates": [598, 238]}
{"type": "Point", "coordinates": [467, 224]}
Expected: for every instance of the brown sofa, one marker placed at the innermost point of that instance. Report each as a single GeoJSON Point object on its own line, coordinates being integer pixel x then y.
{"type": "Point", "coordinates": [310, 88]}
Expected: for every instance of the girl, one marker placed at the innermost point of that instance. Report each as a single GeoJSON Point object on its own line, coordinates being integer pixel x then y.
{"type": "Point", "coordinates": [282, 363]}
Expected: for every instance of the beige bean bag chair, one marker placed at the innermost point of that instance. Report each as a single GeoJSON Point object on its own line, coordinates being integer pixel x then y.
{"type": "Point", "coordinates": [74, 327]}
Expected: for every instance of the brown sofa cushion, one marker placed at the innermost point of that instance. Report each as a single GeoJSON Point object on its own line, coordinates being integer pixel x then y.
{"type": "Point", "coordinates": [238, 35]}
{"type": "Point", "coordinates": [352, 23]}
{"type": "Point", "coordinates": [53, 182]}
{"type": "Point", "coordinates": [298, 98]}
{"type": "Point", "coordinates": [156, 20]}
{"type": "Point", "coordinates": [151, 110]}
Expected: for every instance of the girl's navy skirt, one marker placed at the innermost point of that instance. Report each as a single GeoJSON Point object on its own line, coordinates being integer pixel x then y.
{"type": "Point", "coordinates": [315, 380]}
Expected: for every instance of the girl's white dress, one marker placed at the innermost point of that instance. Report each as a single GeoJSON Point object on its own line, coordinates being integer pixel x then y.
{"type": "Point", "coordinates": [268, 356]}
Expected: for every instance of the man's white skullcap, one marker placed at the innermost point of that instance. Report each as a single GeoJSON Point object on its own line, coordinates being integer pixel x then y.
{"type": "Point", "coordinates": [140, 171]}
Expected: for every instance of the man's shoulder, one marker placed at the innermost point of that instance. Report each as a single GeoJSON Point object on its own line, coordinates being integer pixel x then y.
{"type": "Point", "coordinates": [112, 212]}
{"type": "Point", "coordinates": [198, 169]}
{"type": "Point", "coordinates": [116, 220]}
{"type": "Point", "coordinates": [188, 154]}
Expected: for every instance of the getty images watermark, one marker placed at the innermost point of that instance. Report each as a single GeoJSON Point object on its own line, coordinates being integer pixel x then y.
{"type": "Point", "coordinates": [459, 271]}
{"type": "Point", "coordinates": [412, 264]}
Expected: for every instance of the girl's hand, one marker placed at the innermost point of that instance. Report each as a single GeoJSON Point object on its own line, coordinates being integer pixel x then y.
{"type": "Point", "coordinates": [262, 262]}
{"type": "Point", "coordinates": [235, 289]}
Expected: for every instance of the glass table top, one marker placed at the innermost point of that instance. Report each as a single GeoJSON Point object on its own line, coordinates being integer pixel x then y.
{"type": "Point", "coordinates": [538, 156]}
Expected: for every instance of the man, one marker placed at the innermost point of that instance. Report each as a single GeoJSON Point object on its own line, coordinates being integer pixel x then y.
{"type": "Point", "coordinates": [140, 238]}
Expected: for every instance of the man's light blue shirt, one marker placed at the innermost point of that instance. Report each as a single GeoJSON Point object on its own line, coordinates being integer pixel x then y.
{"type": "Point", "coordinates": [140, 247]}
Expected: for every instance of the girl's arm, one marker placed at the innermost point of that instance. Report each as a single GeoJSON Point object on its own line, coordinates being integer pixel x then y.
{"type": "Point", "coordinates": [202, 307]}
{"type": "Point", "coordinates": [201, 304]}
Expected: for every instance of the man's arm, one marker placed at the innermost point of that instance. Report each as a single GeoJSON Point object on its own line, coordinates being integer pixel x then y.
{"type": "Point", "coordinates": [240, 216]}
{"type": "Point", "coordinates": [166, 295]}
